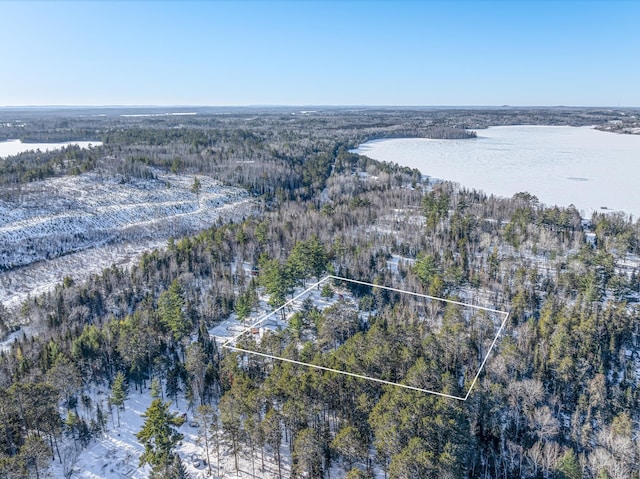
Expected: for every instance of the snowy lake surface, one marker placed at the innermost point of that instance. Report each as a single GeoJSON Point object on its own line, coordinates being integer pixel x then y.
{"type": "Point", "coordinates": [561, 165]}
{"type": "Point", "coordinates": [13, 147]}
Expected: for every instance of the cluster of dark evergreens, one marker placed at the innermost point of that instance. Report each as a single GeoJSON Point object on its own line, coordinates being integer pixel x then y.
{"type": "Point", "coordinates": [38, 165]}
{"type": "Point", "coordinates": [558, 398]}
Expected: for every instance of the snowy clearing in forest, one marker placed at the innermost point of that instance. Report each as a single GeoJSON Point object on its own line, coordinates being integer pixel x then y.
{"type": "Point", "coordinates": [281, 317]}
{"type": "Point", "coordinates": [115, 454]}
{"type": "Point", "coordinates": [78, 225]}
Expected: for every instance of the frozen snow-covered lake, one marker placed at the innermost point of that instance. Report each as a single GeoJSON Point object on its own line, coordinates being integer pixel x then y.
{"type": "Point", "coordinates": [559, 164]}
{"type": "Point", "coordinates": [13, 147]}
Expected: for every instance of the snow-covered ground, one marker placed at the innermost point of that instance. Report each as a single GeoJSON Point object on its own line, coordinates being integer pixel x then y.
{"type": "Point", "coordinates": [42, 276]}
{"type": "Point", "coordinates": [77, 226]}
{"type": "Point", "coordinates": [263, 318]}
{"type": "Point", "coordinates": [116, 454]}
{"type": "Point", "coordinates": [482, 321]}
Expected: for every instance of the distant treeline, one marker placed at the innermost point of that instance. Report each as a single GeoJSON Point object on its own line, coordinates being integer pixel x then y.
{"type": "Point", "coordinates": [448, 133]}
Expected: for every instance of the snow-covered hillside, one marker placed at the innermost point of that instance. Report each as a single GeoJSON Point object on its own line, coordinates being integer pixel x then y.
{"type": "Point", "coordinates": [76, 226]}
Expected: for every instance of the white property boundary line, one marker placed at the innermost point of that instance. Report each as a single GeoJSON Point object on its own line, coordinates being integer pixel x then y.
{"type": "Point", "coordinates": [227, 345]}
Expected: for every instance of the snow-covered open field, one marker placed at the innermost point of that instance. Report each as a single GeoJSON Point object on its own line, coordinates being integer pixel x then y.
{"type": "Point", "coordinates": [561, 165]}
{"type": "Point", "coordinates": [77, 226]}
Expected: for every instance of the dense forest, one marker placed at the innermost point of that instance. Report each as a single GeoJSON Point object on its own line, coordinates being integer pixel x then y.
{"type": "Point", "coordinates": [558, 397]}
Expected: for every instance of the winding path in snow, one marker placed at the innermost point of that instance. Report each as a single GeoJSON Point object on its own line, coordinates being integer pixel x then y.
{"type": "Point", "coordinates": [77, 226]}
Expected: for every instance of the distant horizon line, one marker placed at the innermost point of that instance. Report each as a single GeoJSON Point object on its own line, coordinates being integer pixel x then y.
{"type": "Point", "coordinates": [87, 106]}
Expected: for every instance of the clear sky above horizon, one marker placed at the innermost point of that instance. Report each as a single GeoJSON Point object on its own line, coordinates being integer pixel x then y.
{"type": "Point", "coordinates": [576, 53]}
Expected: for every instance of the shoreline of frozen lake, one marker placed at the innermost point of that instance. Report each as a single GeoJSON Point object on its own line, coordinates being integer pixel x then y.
{"type": "Point", "coordinates": [13, 147]}
{"type": "Point", "coordinates": [561, 165]}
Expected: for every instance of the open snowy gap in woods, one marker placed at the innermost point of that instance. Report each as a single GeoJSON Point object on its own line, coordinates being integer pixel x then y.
{"type": "Point", "coordinates": [116, 453]}
{"type": "Point", "coordinates": [76, 226]}
{"type": "Point", "coordinates": [432, 314]}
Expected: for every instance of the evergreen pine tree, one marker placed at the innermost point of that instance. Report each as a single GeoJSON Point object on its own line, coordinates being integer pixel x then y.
{"type": "Point", "coordinates": [171, 310]}
{"type": "Point", "coordinates": [119, 393]}
{"type": "Point", "coordinates": [159, 435]}
{"type": "Point", "coordinates": [156, 388]}
{"type": "Point", "coordinates": [569, 466]}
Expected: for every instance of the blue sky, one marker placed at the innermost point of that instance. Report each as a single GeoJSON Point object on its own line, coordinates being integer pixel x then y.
{"type": "Point", "coordinates": [320, 53]}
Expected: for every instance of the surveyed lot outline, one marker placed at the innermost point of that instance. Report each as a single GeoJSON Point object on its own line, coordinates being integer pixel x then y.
{"type": "Point", "coordinates": [229, 344]}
